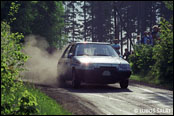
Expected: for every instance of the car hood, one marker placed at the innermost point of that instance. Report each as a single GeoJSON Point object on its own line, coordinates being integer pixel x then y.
{"type": "Point", "coordinates": [101, 59]}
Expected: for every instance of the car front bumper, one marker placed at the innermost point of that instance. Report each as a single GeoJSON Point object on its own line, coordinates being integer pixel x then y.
{"type": "Point", "coordinates": [96, 75]}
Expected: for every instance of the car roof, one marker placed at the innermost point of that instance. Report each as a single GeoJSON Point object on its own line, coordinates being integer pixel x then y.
{"type": "Point", "coordinates": [73, 43]}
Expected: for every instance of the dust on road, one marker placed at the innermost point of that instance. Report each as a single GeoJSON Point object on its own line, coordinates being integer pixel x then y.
{"type": "Point", "coordinates": [41, 65]}
{"type": "Point", "coordinates": [112, 100]}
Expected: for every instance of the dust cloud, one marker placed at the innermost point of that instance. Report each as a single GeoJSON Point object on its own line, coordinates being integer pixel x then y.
{"type": "Point", "coordinates": [42, 65]}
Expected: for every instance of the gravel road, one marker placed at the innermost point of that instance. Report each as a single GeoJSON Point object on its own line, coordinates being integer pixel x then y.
{"type": "Point", "coordinates": [112, 100]}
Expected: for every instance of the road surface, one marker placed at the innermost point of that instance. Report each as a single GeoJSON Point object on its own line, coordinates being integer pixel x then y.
{"type": "Point", "coordinates": [112, 100]}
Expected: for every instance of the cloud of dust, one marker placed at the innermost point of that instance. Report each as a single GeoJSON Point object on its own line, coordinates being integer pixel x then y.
{"type": "Point", "coordinates": [41, 66]}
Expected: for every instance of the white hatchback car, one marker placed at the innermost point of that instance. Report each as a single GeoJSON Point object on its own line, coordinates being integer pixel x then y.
{"type": "Point", "coordinates": [93, 62]}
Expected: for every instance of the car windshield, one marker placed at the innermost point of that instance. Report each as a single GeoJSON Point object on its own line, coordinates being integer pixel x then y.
{"type": "Point", "coordinates": [95, 50]}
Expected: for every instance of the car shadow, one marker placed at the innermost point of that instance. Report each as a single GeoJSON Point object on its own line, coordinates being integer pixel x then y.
{"type": "Point", "coordinates": [87, 88]}
{"type": "Point", "coordinates": [96, 88]}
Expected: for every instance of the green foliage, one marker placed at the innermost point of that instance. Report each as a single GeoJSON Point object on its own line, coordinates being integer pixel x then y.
{"type": "Point", "coordinates": [49, 22]}
{"type": "Point", "coordinates": [46, 105]}
{"type": "Point", "coordinates": [163, 54]}
{"type": "Point", "coordinates": [13, 9]}
{"type": "Point", "coordinates": [23, 22]}
{"type": "Point", "coordinates": [12, 61]}
{"type": "Point", "coordinates": [169, 4]}
{"type": "Point", "coordinates": [141, 61]}
{"type": "Point", "coordinates": [156, 61]}
{"type": "Point", "coordinates": [27, 104]}
{"type": "Point", "coordinates": [44, 18]}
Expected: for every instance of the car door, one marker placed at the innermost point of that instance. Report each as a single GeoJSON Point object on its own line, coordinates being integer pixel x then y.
{"type": "Point", "coordinates": [69, 61]}
{"type": "Point", "coordinates": [64, 63]}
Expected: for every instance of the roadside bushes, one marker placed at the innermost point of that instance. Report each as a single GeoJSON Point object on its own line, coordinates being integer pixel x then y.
{"type": "Point", "coordinates": [141, 61]}
{"type": "Point", "coordinates": [156, 62]}
{"type": "Point", "coordinates": [163, 55]}
{"type": "Point", "coordinates": [13, 99]}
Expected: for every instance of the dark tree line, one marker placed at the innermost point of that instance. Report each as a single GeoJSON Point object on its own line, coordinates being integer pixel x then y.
{"type": "Point", "coordinates": [86, 20]}
{"type": "Point", "coordinates": [107, 20]}
{"type": "Point", "coordinates": [44, 18]}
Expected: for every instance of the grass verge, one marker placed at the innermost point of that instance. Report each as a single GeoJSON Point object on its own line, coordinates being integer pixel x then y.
{"type": "Point", "coordinates": [46, 105]}
{"type": "Point", "coordinates": [151, 81]}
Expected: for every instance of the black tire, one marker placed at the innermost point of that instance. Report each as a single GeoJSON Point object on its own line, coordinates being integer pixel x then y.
{"type": "Point", "coordinates": [75, 81]}
{"type": "Point", "coordinates": [61, 81]}
{"type": "Point", "coordinates": [124, 84]}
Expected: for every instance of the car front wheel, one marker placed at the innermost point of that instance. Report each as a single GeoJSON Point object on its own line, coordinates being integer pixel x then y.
{"type": "Point", "coordinates": [124, 84]}
{"type": "Point", "coordinates": [61, 81]}
{"type": "Point", "coordinates": [75, 80]}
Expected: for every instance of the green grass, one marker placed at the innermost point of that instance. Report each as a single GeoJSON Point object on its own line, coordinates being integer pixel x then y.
{"type": "Point", "coordinates": [46, 105]}
{"type": "Point", "coordinates": [146, 79]}
{"type": "Point", "coordinates": [150, 80]}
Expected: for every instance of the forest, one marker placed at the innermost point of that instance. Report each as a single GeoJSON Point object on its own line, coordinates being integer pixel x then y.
{"type": "Point", "coordinates": [63, 21]}
{"type": "Point", "coordinates": [86, 20]}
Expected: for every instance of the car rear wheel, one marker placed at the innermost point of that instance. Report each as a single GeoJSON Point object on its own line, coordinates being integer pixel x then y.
{"type": "Point", "coordinates": [75, 80]}
{"type": "Point", "coordinates": [124, 84]}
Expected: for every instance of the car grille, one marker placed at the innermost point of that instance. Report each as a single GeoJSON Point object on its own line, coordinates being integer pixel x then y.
{"type": "Point", "coordinates": [112, 70]}
{"type": "Point", "coordinates": [108, 68]}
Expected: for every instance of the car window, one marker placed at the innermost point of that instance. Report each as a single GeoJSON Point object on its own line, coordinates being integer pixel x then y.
{"type": "Point", "coordinates": [72, 49]}
{"type": "Point", "coordinates": [65, 54]}
{"type": "Point", "coordinates": [95, 50]}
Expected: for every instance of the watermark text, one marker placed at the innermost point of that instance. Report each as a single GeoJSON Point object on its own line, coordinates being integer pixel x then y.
{"type": "Point", "coordinates": [154, 111]}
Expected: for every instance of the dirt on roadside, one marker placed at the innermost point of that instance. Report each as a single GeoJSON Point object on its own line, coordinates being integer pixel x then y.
{"type": "Point", "coordinates": [73, 104]}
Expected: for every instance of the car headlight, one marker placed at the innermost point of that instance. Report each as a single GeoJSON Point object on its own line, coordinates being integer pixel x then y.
{"type": "Point", "coordinates": [115, 65]}
{"type": "Point", "coordinates": [124, 67]}
{"type": "Point", "coordinates": [87, 66]}
{"type": "Point", "coordinates": [76, 62]}
{"type": "Point", "coordinates": [83, 65]}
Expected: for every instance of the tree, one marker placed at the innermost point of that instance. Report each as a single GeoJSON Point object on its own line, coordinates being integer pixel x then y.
{"type": "Point", "coordinates": [42, 18]}
{"type": "Point", "coordinates": [101, 21]}
{"type": "Point", "coordinates": [72, 26]}
{"type": "Point", "coordinates": [49, 22]}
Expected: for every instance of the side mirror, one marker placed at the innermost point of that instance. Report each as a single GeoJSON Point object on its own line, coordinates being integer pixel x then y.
{"type": "Point", "coordinates": [70, 55]}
